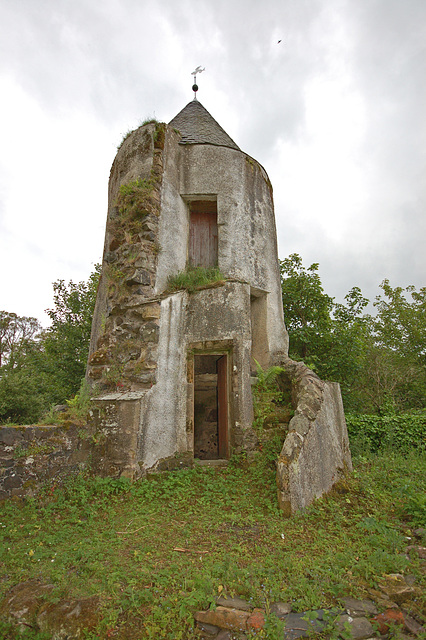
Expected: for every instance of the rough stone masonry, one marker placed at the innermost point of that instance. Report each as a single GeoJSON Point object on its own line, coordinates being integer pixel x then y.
{"type": "Point", "coordinates": [171, 370]}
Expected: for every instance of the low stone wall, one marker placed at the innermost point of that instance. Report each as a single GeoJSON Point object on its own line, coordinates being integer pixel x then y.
{"type": "Point", "coordinates": [316, 453]}
{"type": "Point", "coordinates": [32, 455]}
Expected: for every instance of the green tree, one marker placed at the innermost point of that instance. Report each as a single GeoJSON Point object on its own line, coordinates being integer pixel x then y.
{"type": "Point", "coordinates": [380, 361]}
{"type": "Point", "coordinates": [21, 394]}
{"type": "Point", "coordinates": [395, 369]}
{"type": "Point", "coordinates": [307, 309]}
{"type": "Point", "coordinates": [42, 368]}
{"type": "Point", "coordinates": [329, 337]}
{"type": "Point", "coordinates": [66, 341]}
{"type": "Point", "coordinates": [400, 323]}
{"type": "Point", "coordinates": [16, 333]}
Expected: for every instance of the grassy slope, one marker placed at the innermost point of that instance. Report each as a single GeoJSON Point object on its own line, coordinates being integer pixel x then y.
{"type": "Point", "coordinates": [118, 541]}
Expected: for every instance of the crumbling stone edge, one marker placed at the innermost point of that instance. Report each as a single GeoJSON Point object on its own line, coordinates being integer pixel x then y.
{"type": "Point", "coordinates": [315, 454]}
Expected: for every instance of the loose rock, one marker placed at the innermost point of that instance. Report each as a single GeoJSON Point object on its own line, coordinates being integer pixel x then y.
{"type": "Point", "coordinates": [361, 628]}
{"type": "Point", "coordinates": [396, 588]}
{"type": "Point", "coordinates": [233, 619]}
{"type": "Point", "coordinates": [358, 608]}
{"type": "Point", "coordinates": [280, 609]}
{"type": "Point", "coordinates": [388, 618]}
{"type": "Point", "coordinates": [233, 603]}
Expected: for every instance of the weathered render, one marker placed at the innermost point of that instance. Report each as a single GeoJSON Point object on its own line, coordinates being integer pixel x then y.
{"type": "Point", "coordinates": [172, 370]}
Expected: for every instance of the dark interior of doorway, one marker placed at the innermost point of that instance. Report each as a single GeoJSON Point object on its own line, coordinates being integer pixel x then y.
{"type": "Point", "coordinates": [210, 407]}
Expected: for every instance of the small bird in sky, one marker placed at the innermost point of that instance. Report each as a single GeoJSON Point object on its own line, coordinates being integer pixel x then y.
{"type": "Point", "coordinates": [278, 41]}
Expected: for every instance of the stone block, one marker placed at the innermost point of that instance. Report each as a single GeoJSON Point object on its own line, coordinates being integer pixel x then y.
{"type": "Point", "coordinates": [413, 627]}
{"type": "Point", "coordinates": [417, 550]}
{"type": "Point", "coordinates": [256, 620]}
{"type": "Point", "coordinates": [139, 276]}
{"type": "Point", "coordinates": [361, 628]}
{"type": "Point", "coordinates": [281, 609]}
{"type": "Point", "coordinates": [9, 435]}
{"type": "Point", "coordinates": [297, 626]}
{"type": "Point", "coordinates": [209, 629]}
{"type": "Point", "coordinates": [396, 588]}
{"type": "Point", "coordinates": [6, 462]}
{"type": "Point", "coordinates": [232, 619]}
{"type": "Point", "coordinates": [149, 332]}
{"type": "Point", "coordinates": [22, 602]}
{"type": "Point", "coordinates": [315, 454]}
{"type": "Point", "coordinates": [386, 620]}
{"type": "Point", "coordinates": [12, 482]}
{"type": "Point", "coordinates": [69, 618]}
{"type": "Point", "coordinates": [357, 608]}
{"type": "Point", "coordinates": [233, 603]}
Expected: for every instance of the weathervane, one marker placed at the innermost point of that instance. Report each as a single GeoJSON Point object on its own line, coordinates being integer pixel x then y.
{"type": "Point", "coordinates": [195, 86]}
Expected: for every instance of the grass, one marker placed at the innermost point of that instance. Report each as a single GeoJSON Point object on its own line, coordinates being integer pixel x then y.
{"type": "Point", "coordinates": [118, 540]}
{"type": "Point", "coordinates": [195, 278]}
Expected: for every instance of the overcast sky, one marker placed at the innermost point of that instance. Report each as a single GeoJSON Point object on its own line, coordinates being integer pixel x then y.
{"type": "Point", "coordinates": [335, 112]}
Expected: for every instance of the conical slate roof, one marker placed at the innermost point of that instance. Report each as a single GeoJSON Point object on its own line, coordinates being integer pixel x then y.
{"type": "Point", "coordinates": [197, 126]}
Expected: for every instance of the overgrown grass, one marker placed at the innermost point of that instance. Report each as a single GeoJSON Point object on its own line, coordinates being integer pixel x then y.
{"type": "Point", "coordinates": [119, 541]}
{"type": "Point", "coordinates": [195, 278]}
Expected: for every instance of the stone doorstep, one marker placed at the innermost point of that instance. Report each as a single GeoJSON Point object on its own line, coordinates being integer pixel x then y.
{"type": "Point", "coordinates": [211, 463]}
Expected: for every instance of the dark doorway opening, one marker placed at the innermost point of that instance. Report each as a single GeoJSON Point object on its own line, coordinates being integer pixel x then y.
{"type": "Point", "coordinates": [211, 406]}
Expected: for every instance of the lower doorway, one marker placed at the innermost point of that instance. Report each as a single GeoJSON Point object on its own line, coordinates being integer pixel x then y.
{"type": "Point", "coordinates": [211, 406]}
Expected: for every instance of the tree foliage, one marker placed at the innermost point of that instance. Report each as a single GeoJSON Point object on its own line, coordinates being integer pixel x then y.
{"type": "Point", "coordinates": [66, 342]}
{"type": "Point", "coordinates": [380, 361]}
{"type": "Point", "coordinates": [16, 333]}
{"type": "Point", "coordinates": [44, 367]}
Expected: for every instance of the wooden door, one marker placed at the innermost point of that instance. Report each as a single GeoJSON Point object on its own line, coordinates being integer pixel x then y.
{"type": "Point", "coordinates": [203, 234]}
{"type": "Point", "coordinates": [222, 406]}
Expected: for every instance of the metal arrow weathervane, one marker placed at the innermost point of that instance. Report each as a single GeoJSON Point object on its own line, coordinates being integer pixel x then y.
{"type": "Point", "coordinates": [195, 86]}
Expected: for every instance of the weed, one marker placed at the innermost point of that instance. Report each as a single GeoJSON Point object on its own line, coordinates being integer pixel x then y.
{"type": "Point", "coordinates": [113, 374]}
{"type": "Point", "coordinates": [124, 137]}
{"type": "Point", "coordinates": [79, 406]}
{"type": "Point", "coordinates": [271, 405]}
{"type": "Point", "coordinates": [195, 278]}
{"type": "Point", "coordinates": [414, 505]}
{"type": "Point", "coordinates": [149, 120]}
{"type": "Point", "coordinates": [159, 135]}
{"type": "Point", "coordinates": [33, 449]}
{"type": "Point", "coordinates": [156, 248]}
{"type": "Point", "coordinates": [115, 274]}
{"type": "Point", "coordinates": [266, 379]}
{"type": "Point", "coordinates": [133, 198]}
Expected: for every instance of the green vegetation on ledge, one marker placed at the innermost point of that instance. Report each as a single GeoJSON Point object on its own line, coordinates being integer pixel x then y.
{"type": "Point", "coordinates": [195, 278]}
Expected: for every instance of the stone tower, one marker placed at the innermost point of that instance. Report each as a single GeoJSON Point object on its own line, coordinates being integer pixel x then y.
{"type": "Point", "coordinates": [171, 367]}
{"type": "Point", "coordinates": [174, 367]}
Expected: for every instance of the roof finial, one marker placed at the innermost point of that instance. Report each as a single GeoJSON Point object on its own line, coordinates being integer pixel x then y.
{"type": "Point", "coordinates": [195, 86]}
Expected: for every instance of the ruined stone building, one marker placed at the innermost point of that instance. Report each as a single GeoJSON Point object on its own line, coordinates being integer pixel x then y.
{"type": "Point", "coordinates": [171, 367]}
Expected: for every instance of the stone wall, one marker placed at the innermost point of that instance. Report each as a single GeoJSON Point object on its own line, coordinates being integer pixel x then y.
{"type": "Point", "coordinates": [123, 350]}
{"type": "Point", "coordinates": [31, 455]}
{"type": "Point", "coordinates": [316, 453]}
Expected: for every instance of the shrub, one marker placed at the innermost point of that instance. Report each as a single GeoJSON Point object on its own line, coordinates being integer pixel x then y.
{"type": "Point", "coordinates": [404, 432]}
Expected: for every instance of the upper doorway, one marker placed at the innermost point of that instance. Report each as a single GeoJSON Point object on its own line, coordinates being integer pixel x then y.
{"type": "Point", "coordinates": [203, 234]}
